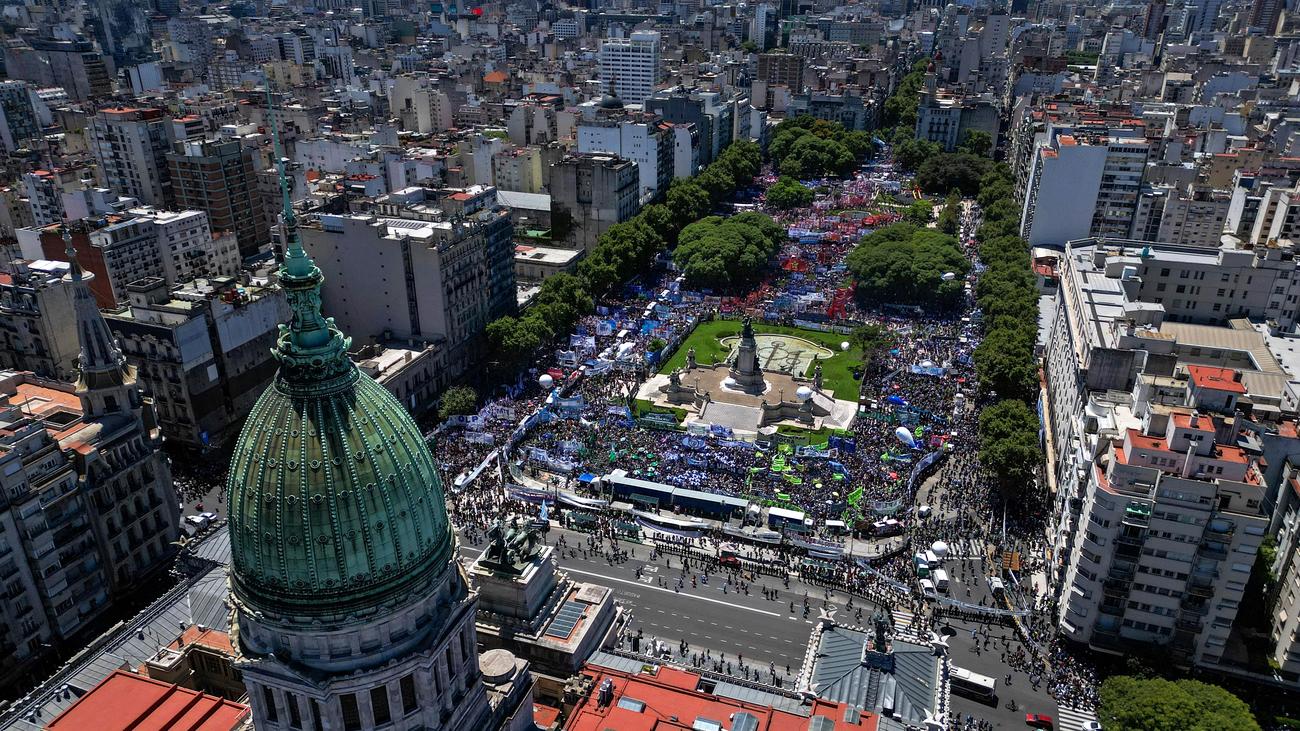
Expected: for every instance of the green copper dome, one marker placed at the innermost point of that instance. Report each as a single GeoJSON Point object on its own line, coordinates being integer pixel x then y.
{"type": "Point", "coordinates": [335, 503]}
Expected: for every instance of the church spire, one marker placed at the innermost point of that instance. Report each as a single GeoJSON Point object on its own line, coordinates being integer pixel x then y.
{"type": "Point", "coordinates": [310, 349]}
{"type": "Point", "coordinates": [100, 363]}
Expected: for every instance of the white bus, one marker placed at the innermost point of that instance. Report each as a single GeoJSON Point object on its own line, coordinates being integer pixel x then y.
{"type": "Point", "coordinates": [972, 685]}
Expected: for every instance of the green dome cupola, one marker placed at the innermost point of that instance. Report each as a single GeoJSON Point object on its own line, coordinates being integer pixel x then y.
{"type": "Point", "coordinates": [335, 503]}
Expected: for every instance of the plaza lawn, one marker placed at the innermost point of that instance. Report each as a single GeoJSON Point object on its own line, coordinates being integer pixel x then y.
{"type": "Point", "coordinates": [837, 371]}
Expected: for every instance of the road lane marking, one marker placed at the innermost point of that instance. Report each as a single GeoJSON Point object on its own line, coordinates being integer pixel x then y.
{"type": "Point", "coordinates": [669, 591]}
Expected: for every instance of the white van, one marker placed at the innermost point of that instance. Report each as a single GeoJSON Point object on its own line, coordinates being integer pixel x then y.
{"type": "Point", "coordinates": [941, 580]}
{"type": "Point", "coordinates": [932, 559]}
{"type": "Point", "coordinates": [927, 589]}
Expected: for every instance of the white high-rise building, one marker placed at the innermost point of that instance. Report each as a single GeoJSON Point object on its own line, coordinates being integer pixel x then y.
{"type": "Point", "coordinates": [631, 65]}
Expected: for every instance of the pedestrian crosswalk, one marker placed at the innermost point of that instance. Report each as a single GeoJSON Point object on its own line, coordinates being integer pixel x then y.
{"type": "Point", "coordinates": [903, 619]}
{"type": "Point", "coordinates": [1069, 718]}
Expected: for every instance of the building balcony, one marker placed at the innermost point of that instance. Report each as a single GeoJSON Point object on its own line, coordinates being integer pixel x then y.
{"type": "Point", "coordinates": [1212, 552]}
{"type": "Point", "coordinates": [1188, 623]}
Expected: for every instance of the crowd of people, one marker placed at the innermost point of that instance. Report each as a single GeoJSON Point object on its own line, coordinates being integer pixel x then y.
{"type": "Point", "coordinates": [862, 477]}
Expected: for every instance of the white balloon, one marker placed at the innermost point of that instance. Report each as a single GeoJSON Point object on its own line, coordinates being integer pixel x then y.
{"type": "Point", "coordinates": [844, 345]}
{"type": "Point", "coordinates": [940, 549]}
{"type": "Point", "coordinates": [546, 381]}
{"type": "Point", "coordinates": [949, 276]}
{"type": "Point", "coordinates": [803, 393]}
{"type": "Point", "coordinates": [905, 436]}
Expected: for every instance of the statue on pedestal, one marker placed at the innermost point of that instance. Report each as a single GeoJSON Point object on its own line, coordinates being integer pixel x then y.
{"type": "Point", "coordinates": [690, 359]}
{"type": "Point", "coordinates": [817, 376]}
{"type": "Point", "coordinates": [510, 549]}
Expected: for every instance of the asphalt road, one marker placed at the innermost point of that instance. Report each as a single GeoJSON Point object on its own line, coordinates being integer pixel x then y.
{"type": "Point", "coordinates": [763, 631]}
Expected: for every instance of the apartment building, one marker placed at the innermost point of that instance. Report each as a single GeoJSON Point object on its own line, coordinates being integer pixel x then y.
{"type": "Point", "coordinates": [36, 319]}
{"type": "Point", "coordinates": [590, 193]}
{"type": "Point", "coordinates": [421, 263]}
{"type": "Point", "coordinates": [131, 146]}
{"type": "Point", "coordinates": [120, 248]}
{"type": "Point", "coordinates": [1194, 215]}
{"type": "Point", "coordinates": [18, 123]}
{"type": "Point", "coordinates": [1171, 519]}
{"type": "Point", "coordinates": [519, 169]}
{"type": "Point", "coordinates": [631, 66]}
{"type": "Point", "coordinates": [781, 69]}
{"type": "Point", "coordinates": [187, 245]}
{"type": "Point", "coordinates": [713, 114]}
{"type": "Point", "coordinates": [202, 350]}
{"type": "Point", "coordinates": [88, 511]}
{"type": "Point", "coordinates": [1086, 186]}
{"type": "Point", "coordinates": [1169, 446]}
{"type": "Point", "coordinates": [643, 138]}
{"type": "Point", "coordinates": [73, 65]}
{"type": "Point", "coordinates": [220, 179]}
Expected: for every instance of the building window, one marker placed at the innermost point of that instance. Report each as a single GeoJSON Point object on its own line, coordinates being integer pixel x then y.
{"type": "Point", "coordinates": [407, 686]}
{"type": "Point", "coordinates": [268, 697]}
{"type": "Point", "coordinates": [379, 705]}
{"type": "Point", "coordinates": [295, 716]}
{"type": "Point", "coordinates": [351, 712]}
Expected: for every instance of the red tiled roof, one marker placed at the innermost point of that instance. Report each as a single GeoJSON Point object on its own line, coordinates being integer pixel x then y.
{"type": "Point", "coordinates": [671, 692]}
{"type": "Point", "coordinates": [1218, 379]}
{"type": "Point", "coordinates": [125, 701]}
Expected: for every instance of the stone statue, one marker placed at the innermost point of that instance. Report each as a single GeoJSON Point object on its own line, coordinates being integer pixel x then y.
{"type": "Point", "coordinates": [497, 551]}
{"type": "Point", "coordinates": [509, 548]}
{"type": "Point", "coordinates": [690, 359]}
{"type": "Point", "coordinates": [881, 624]}
{"type": "Point", "coordinates": [817, 376]}
{"type": "Point", "coordinates": [675, 378]}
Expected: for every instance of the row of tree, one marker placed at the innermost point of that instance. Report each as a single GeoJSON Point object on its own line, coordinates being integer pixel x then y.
{"type": "Point", "coordinates": [728, 254]}
{"type": "Point", "coordinates": [804, 147]}
{"type": "Point", "coordinates": [1004, 360]}
{"type": "Point", "coordinates": [900, 107]}
{"type": "Point", "coordinates": [623, 250]}
{"type": "Point", "coordinates": [909, 264]}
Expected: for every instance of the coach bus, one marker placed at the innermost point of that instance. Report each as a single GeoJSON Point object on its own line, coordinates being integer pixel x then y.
{"type": "Point", "coordinates": [972, 685]}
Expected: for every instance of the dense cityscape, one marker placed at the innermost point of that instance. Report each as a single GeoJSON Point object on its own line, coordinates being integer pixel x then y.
{"type": "Point", "coordinates": [616, 365]}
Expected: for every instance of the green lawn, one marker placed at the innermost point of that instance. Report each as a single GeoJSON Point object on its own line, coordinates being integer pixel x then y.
{"type": "Point", "coordinates": [837, 372]}
{"type": "Point", "coordinates": [643, 407]}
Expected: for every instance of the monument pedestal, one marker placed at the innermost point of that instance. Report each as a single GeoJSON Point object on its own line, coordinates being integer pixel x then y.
{"type": "Point", "coordinates": [519, 596]}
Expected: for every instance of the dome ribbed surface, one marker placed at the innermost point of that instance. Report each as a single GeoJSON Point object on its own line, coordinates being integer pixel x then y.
{"type": "Point", "coordinates": [335, 502]}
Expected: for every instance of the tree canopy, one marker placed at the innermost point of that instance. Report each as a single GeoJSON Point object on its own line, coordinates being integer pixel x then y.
{"type": "Point", "coordinates": [900, 107]}
{"type": "Point", "coordinates": [960, 171]}
{"type": "Point", "coordinates": [976, 142]}
{"type": "Point", "coordinates": [1008, 442]}
{"type": "Point", "coordinates": [905, 264]}
{"type": "Point", "coordinates": [911, 152]}
{"type": "Point", "coordinates": [1155, 704]}
{"type": "Point", "coordinates": [787, 193]}
{"type": "Point", "coordinates": [727, 253]}
{"type": "Point", "coordinates": [457, 401]}
{"type": "Point", "coordinates": [805, 147]}
{"type": "Point", "coordinates": [920, 213]}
